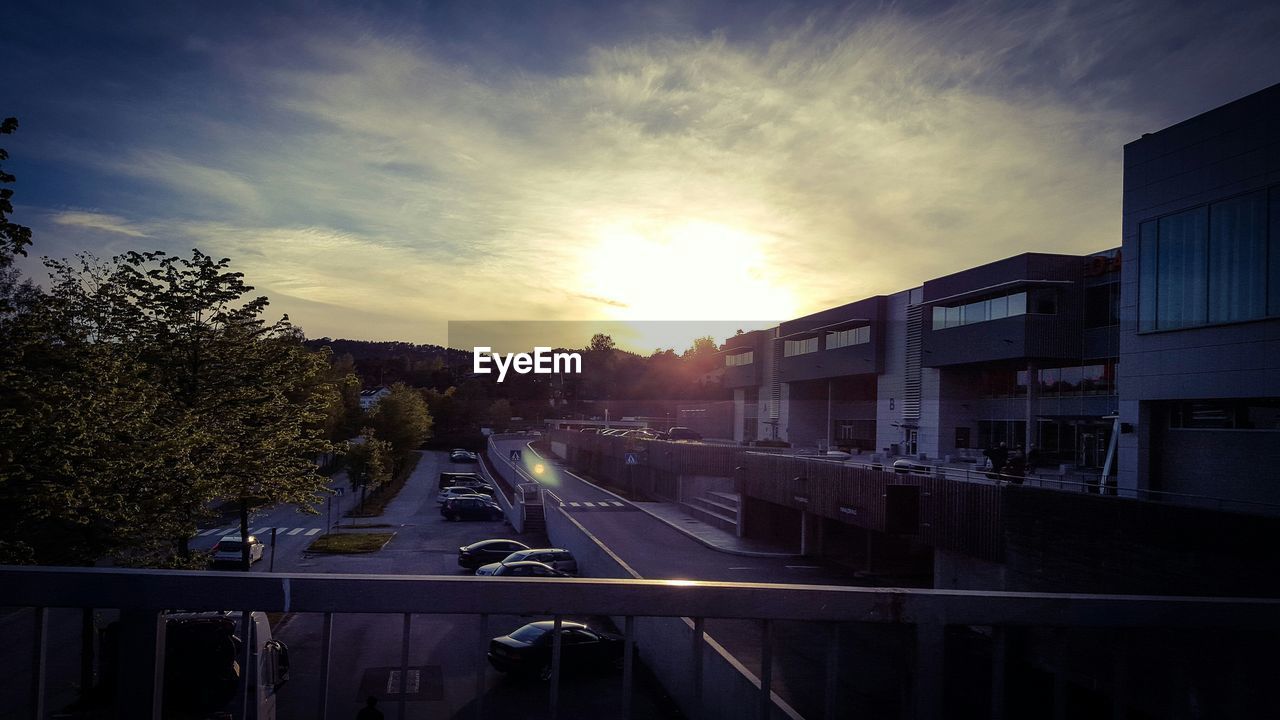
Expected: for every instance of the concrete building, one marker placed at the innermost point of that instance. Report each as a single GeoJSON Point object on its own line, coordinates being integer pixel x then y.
{"type": "Point", "coordinates": [1200, 333]}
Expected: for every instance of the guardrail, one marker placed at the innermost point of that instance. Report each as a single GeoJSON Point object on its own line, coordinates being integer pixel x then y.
{"type": "Point", "coordinates": [143, 595]}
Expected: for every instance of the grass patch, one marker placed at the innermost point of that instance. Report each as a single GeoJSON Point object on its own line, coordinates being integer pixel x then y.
{"type": "Point", "coordinates": [376, 502]}
{"type": "Point", "coordinates": [351, 543]}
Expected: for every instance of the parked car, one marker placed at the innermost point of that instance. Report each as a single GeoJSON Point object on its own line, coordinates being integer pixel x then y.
{"type": "Point", "coordinates": [227, 550]}
{"type": "Point", "coordinates": [487, 551]}
{"type": "Point", "coordinates": [683, 433]}
{"type": "Point", "coordinates": [557, 558]}
{"type": "Point", "coordinates": [525, 568]}
{"type": "Point", "coordinates": [528, 650]}
{"type": "Point", "coordinates": [460, 479]}
{"type": "Point", "coordinates": [471, 507]}
{"type": "Point", "coordinates": [459, 455]}
{"type": "Point", "coordinates": [450, 493]}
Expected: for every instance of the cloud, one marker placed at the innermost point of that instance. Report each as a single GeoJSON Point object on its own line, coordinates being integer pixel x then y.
{"type": "Point", "coordinates": [662, 175]}
{"type": "Point", "coordinates": [98, 221]}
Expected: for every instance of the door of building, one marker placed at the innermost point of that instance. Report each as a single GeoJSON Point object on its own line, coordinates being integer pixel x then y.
{"type": "Point", "coordinates": [912, 436]}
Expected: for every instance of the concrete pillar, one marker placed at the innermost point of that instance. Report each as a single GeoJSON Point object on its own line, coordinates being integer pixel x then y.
{"type": "Point", "coordinates": [810, 533]}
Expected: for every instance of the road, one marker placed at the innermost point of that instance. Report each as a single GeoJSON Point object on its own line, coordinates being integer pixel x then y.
{"type": "Point", "coordinates": [870, 656]}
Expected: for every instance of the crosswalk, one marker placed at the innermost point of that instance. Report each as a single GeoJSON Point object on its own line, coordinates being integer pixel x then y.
{"type": "Point", "coordinates": [220, 532]}
{"type": "Point", "coordinates": [576, 505]}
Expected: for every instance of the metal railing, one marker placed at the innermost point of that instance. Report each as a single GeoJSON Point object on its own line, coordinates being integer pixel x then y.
{"type": "Point", "coordinates": [146, 594]}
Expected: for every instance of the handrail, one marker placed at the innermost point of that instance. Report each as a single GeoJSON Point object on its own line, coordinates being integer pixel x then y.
{"type": "Point", "coordinates": [133, 589]}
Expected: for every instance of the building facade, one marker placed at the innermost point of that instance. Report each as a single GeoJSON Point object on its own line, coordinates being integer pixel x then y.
{"type": "Point", "coordinates": [1200, 340]}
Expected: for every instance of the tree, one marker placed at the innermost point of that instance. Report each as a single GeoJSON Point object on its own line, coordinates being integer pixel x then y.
{"type": "Point", "coordinates": [403, 420]}
{"type": "Point", "coordinates": [246, 396]}
{"type": "Point", "coordinates": [600, 343]}
{"type": "Point", "coordinates": [13, 237]}
{"type": "Point", "coordinates": [500, 414]}
{"type": "Point", "coordinates": [368, 462]}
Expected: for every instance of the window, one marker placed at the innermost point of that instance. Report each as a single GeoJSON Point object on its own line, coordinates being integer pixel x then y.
{"type": "Point", "coordinates": [800, 347]}
{"type": "Point", "coordinates": [1212, 264]}
{"type": "Point", "coordinates": [1255, 414]}
{"type": "Point", "coordinates": [845, 338]}
{"type": "Point", "coordinates": [1102, 305]}
{"type": "Point", "coordinates": [742, 358]}
{"type": "Point", "coordinates": [983, 310]}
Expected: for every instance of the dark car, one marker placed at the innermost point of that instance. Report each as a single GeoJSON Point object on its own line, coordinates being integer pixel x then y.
{"type": "Point", "coordinates": [471, 508]}
{"type": "Point", "coordinates": [461, 479]}
{"type": "Point", "coordinates": [526, 568]}
{"type": "Point", "coordinates": [683, 433]}
{"type": "Point", "coordinates": [487, 551]}
{"type": "Point", "coordinates": [528, 650]}
{"type": "Point", "coordinates": [459, 455]}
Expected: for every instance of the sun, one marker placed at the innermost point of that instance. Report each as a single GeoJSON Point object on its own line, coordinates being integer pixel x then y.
{"type": "Point", "coordinates": [686, 270]}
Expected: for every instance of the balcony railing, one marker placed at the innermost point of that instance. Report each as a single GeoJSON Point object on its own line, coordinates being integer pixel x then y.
{"type": "Point", "coordinates": [143, 595]}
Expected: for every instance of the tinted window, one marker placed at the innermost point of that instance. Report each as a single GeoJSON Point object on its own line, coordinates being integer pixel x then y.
{"type": "Point", "coordinates": [528, 634]}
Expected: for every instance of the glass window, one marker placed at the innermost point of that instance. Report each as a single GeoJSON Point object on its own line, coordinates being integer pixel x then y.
{"type": "Point", "coordinates": [1072, 378]}
{"type": "Point", "coordinates": [976, 312]}
{"type": "Point", "coordinates": [1147, 276]}
{"type": "Point", "coordinates": [1237, 259]}
{"type": "Point", "coordinates": [953, 317]}
{"type": "Point", "coordinates": [1018, 304]}
{"type": "Point", "coordinates": [800, 347]}
{"type": "Point", "coordinates": [742, 358]}
{"type": "Point", "coordinates": [1102, 305]}
{"type": "Point", "coordinates": [1273, 255]}
{"type": "Point", "coordinates": [1050, 380]}
{"type": "Point", "coordinates": [1181, 270]}
{"type": "Point", "coordinates": [999, 307]}
{"type": "Point", "coordinates": [939, 318]}
{"type": "Point", "coordinates": [1020, 387]}
{"type": "Point", "coordinates": [852, 336]}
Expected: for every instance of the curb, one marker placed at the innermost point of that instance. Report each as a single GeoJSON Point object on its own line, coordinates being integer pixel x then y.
{"type": "Point", "coordinates": [650, 513]}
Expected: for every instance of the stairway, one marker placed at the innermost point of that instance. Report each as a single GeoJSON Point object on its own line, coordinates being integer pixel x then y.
{"type": "Point", "coordinates": [534, 519]}
{"type": "Point", "coordinates": [716, 508]}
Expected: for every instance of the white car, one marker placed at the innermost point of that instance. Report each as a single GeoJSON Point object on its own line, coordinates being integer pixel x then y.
{"type": "Point", "coordinates": [450, 493]}
{"type": "Point", "coordinates": [227, 550]}
{"type": "Point", "coordinates": [561, 560]}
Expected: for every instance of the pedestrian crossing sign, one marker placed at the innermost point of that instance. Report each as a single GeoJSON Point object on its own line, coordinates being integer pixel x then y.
{"type": "Point", "coordinates": [515, 456]}
{"type": "Point", "coordinates": [631, 459]}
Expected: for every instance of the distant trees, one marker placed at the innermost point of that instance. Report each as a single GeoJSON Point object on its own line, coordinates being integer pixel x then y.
{"type": "Point", "coordinates": [500, 414]}
{"type": "Point", "coordinates": [403, 420]}
{"type": "Point", "coordinates": [13, 237]}
{"type": "Point", "coordinates": [369, 462]}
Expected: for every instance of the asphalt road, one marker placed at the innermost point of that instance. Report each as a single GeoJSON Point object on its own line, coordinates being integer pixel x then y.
{"type": "Point", "coordinates": [870, 658]}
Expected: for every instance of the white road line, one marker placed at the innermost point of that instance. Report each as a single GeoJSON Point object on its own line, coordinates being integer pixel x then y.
{"type": "Point", "coordinates": [295, 531]}
{"type": "Point", "coordinates": [259, 531]}
{"type": "Point", "coordinates": [312, 531]}
{"type": "Point", "coordinates": [615, 503]}
{"type": "Point", "coordinates": [575, 503]}
{"type": "Point", "coordinates": [207, 533]}
{"type": "Point", "coordinates": [589, 504]}
{"type": "Point", "coordinates": [804, 567]}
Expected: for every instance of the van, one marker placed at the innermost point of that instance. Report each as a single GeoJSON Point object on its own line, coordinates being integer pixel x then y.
{"type": "Point", "coordinates": [202, 665]}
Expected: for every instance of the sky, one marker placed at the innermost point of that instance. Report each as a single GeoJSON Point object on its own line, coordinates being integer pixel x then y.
{"type": "Point", "coordinates": [379, 171]}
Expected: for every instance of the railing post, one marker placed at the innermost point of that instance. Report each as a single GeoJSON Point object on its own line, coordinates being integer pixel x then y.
{"type": "Point", "coordinates": [999, 660]}
{"type": "Point", "coordinates": [556, 642]}
{"type": "Point", "coordinates": [833, 673]}
{"type": "Point", "coordinates": [248, 673]}
{"type": "Point", "coordinates": [404, 663]}
{"type": "Point", "coordinates": [326, 646]}
{"type": "Point", "coordinates": [930, 645]}
{"type": "Point", "coordinates": [140, 694]}
{"type": "Point", "coordinates": [766, 668]}
{"type": "Point", "coordinates": [38, 655]}
{"type": "Point", "coordinates": [482, 660]}
{"type": "Point", "coordinates": [628, 665]}
{"type": "Point", "coordinates": [696, 659]}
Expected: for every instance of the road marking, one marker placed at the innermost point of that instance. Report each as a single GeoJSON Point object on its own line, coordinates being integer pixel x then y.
{"type": "Point", "coordinates": [615, 503]}
{"type": "Point", "coordinates": [295, 531]}
{"type": "Point", "coordinates": [575, 503]}
{"type": "Point", "coordinates": [589, 504]}
{"type": "Point", "coordinates": [742, 568]}
{"type": "Point", "coordinates": [312, 531]}
{"type": "Point", "coordinates": [259, 531]}
{"type": "Point", "coordinates": [207, 533]}
{"type": "Point", "coordinates": [804, 567]}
